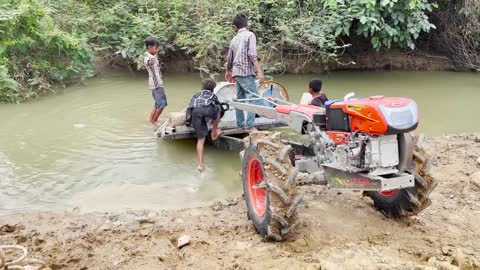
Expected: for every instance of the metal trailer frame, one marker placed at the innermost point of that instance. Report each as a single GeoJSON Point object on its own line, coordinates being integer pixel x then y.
{"type": "Point", "coordinates": [229, 129]}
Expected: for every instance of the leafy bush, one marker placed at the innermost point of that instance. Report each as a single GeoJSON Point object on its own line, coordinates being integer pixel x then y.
{"type": "Point", "coordinates": [459, 35]}
{"type": "Point", "coordinates": [385, 22]}
{"type": "Point", "coordinates": [35, 53]}
{"type": "Point", "coordinates": [50, 41]}
{"type": "Point", "coordinates": [284, 28]}
{"type": "Point", "coordinates": [8, 86]}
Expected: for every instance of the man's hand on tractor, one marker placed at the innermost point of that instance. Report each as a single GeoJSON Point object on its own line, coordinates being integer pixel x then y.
{"type": "Point", "coordinates": [260, 77]}
{"type": "Point", "coordinates": [228, 76]}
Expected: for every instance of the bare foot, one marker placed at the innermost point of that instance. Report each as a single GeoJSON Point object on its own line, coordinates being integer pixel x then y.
{"type": "Point", "coordinates": [201, 168]}
{"type": "Point", "coordinates": [155, 127]}
{"type": "Point", "coordinates": [217, 134]}
{"type": "Point", "coordinates": [252, 130]}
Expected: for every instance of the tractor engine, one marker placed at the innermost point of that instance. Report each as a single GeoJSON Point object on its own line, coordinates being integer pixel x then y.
{"type": "Point", "coordinates": [368, 152]}
{"type": "Point", "coordinates": [364, 133]}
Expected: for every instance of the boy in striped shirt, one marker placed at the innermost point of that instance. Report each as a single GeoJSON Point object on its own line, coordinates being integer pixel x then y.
{"type": "Point", "coordinates": [155, 81]}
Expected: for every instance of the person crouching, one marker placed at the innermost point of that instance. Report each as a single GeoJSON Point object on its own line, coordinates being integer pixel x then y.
{"type": "Point", "coordinates": [205, 107]}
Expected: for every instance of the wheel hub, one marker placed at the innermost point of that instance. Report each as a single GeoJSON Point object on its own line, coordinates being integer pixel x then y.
{"type": "Point", "coordinates": [257, 195]}
{"type": "Point", "coordinates": [388, 193]}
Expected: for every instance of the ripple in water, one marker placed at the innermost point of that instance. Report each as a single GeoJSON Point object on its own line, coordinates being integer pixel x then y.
{"type": "Point", "coordinates": [93, 148]}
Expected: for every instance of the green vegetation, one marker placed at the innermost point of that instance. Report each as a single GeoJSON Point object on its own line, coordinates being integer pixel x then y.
{"type": "Point", "coordinates": [385, 22]}
{"type": "Point", "coordinates": [35, 53]}
{"type": "Point", "coordinates": [459, 32]}
{"type": "Point", "coordinates": [46, 42]}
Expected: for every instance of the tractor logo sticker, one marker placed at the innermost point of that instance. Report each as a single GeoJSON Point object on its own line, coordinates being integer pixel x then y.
{"type": "Point", "coordinates": [353, 182]}
{"type": "Point", "coordinates": [355, 108]}
{"type": "Point", "coordinates": [340, 181]}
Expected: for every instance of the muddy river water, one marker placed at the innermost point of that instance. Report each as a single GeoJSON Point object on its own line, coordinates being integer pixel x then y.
{"type": "Point", "coordinates": [91, 146]}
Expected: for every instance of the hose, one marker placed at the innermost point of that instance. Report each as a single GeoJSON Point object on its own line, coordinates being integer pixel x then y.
{"type": "Point", "coordinates": [21, 263]}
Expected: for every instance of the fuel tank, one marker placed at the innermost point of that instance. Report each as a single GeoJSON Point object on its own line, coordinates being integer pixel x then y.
{"type": "Point", "coordinates": [375, 115]}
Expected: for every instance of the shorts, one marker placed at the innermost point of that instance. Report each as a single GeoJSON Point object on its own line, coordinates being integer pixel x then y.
{"type": "Point", "coordinates": [159, 97]}
{"type": "Point", "coordinates": [200, 118]}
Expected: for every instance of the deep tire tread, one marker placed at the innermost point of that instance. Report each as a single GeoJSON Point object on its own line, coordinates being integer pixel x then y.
{"type": "Point", "coordinates": [294, 207]}
{"type": "Point", "coordinates": [280, 168]}
{"type": "Point", "coordinates": [284, 199]}
{"type": "Point", "coordinates": [281, 194]}
{"type": "Point", "coordinates": [278, 218]}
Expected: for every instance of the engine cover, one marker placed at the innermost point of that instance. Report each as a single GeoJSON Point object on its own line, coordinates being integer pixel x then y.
{"type": "Point", "coordinates": [379, 155]}
{"type": "Point", "coordinates": [374, 115]}
{"type": "Point", "coordinates": [382, 152]}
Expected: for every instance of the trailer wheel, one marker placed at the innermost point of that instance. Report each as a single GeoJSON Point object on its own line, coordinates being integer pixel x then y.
{"type": "Point", "coordinates": [272, 200]}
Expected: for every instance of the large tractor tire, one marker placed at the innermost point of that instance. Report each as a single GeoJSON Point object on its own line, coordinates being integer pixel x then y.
{"type": "Point", "coordinates": [409, 201]}
{"type": "Point", "coordinates": [270, 192]}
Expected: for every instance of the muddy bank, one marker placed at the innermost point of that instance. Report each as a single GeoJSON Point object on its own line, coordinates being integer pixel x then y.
{"type": "Point", "coordinates": [339, 230]}
{"type": "Point", "coordinates": [354, 60]}
{"type": "Point", "coordinates": [371, 60]}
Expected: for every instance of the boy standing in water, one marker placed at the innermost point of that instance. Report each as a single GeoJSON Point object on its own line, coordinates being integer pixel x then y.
{"type": "Point", "coordinates": [242, 63]}
{"type": "Point", "coordinates": [315, 89]}
{"type": "Point", "coordinates": [155, 81]}
{"type": "Point", "coordinates": [205, 107]}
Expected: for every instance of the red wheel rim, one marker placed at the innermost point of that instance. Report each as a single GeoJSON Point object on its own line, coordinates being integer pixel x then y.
{"type": "Point", "coordinates": [388, 193]}
{"type": "Point", "coordinates": [257, 195]}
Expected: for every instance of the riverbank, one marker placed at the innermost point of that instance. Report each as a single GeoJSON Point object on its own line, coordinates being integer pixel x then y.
{"type": "Point", "coordinates": [355, 59]}
{"type": "Point", "coordinates": [339, 231]}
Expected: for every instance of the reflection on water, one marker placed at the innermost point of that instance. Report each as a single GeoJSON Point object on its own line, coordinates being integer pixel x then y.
{"type": "Point", "coordinates": [91, 146]}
